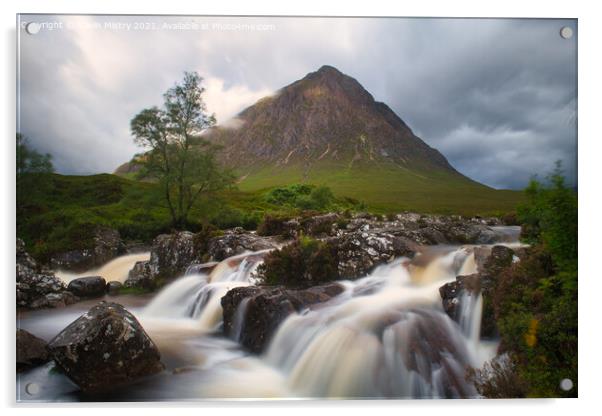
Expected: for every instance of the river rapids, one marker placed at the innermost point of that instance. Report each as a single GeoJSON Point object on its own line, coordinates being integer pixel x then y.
{"type": "Point", "coordinates": [385, 336]}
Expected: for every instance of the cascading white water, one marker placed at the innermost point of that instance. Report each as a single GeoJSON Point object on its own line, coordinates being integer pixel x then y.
{"type": "Point", "coordinates": [239, 320]}
{"type": "Point", "coordinates": [115, 270]}
{"type": "Point", "coordinates": [196, 297]}
{"type": "Point", "coordinates": [471, 306]}
{"type": "Point", "coordinates": [385, 335]}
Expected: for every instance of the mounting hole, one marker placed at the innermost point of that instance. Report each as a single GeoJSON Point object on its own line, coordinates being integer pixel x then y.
{"type": "Point", "coordinates": [566, 32]}
{"type": "Point", "coordinates": [32, 28]}
{"type": "Point", "coordinates": [566, 384]}
{"type": "Point", "coordinates": [32, 389]}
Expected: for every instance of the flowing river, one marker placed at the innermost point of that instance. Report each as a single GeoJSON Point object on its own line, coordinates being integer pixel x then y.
{"type": "Point", "coordinates": [385, 336]}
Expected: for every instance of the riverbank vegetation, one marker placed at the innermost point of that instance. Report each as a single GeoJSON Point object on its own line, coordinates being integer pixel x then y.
{"type": "Point", "coordinates": [54, 212]}
{"type": "Point", "coordinates": [535, 301]}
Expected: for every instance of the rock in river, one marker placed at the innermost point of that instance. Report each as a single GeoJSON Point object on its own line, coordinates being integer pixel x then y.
{"type": "Point", "coordinates": [113, 287]}
{"type": "Point", "coordinates": [141, 276]}
{"type": "Point", "coordinates": [359, 252]}
{"type": "Point", "coordinates": [253, 313]}
{"type": "Point", "coordinates": [31, 350]}
{"type": "Point", "coordinates": [171, 254]}
{"type": "Point", "coordinates": [104, 348]}
{"type": "Point", "coordinates": [236, 241]}
{"type": "Point", "coordinates": [90, 286]}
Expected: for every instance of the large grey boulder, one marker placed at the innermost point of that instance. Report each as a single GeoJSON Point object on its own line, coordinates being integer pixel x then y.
{"type": "Point", "coordinates": [171, 255]}
{"type": "Point", "coordinates": [141, 276]}
{"type": "Point", "coordinates": [104, 349]}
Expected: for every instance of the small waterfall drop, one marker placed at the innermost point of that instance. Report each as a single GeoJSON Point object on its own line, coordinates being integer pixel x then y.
{"type": "Point", "coordinates": [196, 297]}
{"type": "Point", "coordinates": [471, 307]}
{"type": "Point", "coordinates": [115, 270]}
{"type": "Point", "coordinates": [176, 300]}
{"type": "Point", "coordinates": [239, 320]}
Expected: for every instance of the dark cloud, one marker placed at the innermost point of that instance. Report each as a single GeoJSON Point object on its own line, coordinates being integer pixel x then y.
{"type": "Point", "coordinates": [497, 97]}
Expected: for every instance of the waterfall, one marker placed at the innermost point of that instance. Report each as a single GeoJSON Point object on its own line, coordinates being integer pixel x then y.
{"type": "Point", "coordinates": [393, 340]}
{"type": "Point", "coordinates": [200, 268]}
{"type": "Point", "coordinates": [115, 270]}
{"type": "Point", "coordinates": [196, 297]}
{"type": "Point", "coordinates": [471, 307]}
{"type": "Point", "coordinates": [385, 336]}
{"type": "Point", "coordinates": [176, 300]}
{"type": "Point", "coordinates": [239, 320]}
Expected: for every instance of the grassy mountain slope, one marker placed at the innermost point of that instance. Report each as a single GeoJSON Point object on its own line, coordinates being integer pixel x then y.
{"type": "Point", "coordinates": [389, 188]}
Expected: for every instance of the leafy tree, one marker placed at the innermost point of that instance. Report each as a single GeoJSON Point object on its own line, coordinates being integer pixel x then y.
{"type": "Point", "coordinates": [32, 170]}
{"type": "Point", "coordinates": [550, 217]}
{"type": "Point", "coordinates": [179, 158]}
{"type": "Point", "coordinates": [31, 161]}
{"type": "Point", "coordinates": [288, 195]}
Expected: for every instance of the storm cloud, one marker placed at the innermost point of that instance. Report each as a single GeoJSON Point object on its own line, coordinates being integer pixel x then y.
{"type": "Point", "coordinates": [498, 97]}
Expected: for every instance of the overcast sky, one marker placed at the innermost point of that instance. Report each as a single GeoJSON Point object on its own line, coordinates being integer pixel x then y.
{"type": "Point", "coordinates": [497, 97]}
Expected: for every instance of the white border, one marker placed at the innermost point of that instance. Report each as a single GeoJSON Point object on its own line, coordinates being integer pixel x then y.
{"type": "Point", "coordinates": [590, 71]}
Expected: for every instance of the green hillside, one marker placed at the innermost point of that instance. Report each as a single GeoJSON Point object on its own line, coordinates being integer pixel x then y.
{"type": "Point", "coordinates": [57, 212]}
{"type": "Point", "coordinates": [388, 188]}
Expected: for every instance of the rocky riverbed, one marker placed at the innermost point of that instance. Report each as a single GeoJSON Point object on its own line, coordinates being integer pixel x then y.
{"type": "Point", "coordinates": [251, 313]}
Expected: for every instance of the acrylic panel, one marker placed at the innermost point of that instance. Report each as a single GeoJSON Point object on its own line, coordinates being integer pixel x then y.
{"type": "Point", "coordinates": [214, 207]}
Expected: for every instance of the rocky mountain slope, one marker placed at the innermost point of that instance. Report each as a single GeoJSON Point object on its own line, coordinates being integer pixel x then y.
{"type": "Point", "coordinates": [326, 116]}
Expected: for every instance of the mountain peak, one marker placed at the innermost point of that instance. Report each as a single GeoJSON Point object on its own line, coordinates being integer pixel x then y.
{"type": "Point", "coordinates": [326, 82]}
{"type": "Point", "coordinates": [327, 73]}
{"type": "Point", "coordinates": [329, 70]}
{"type": "Point", "coordinates": [326, 117]}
